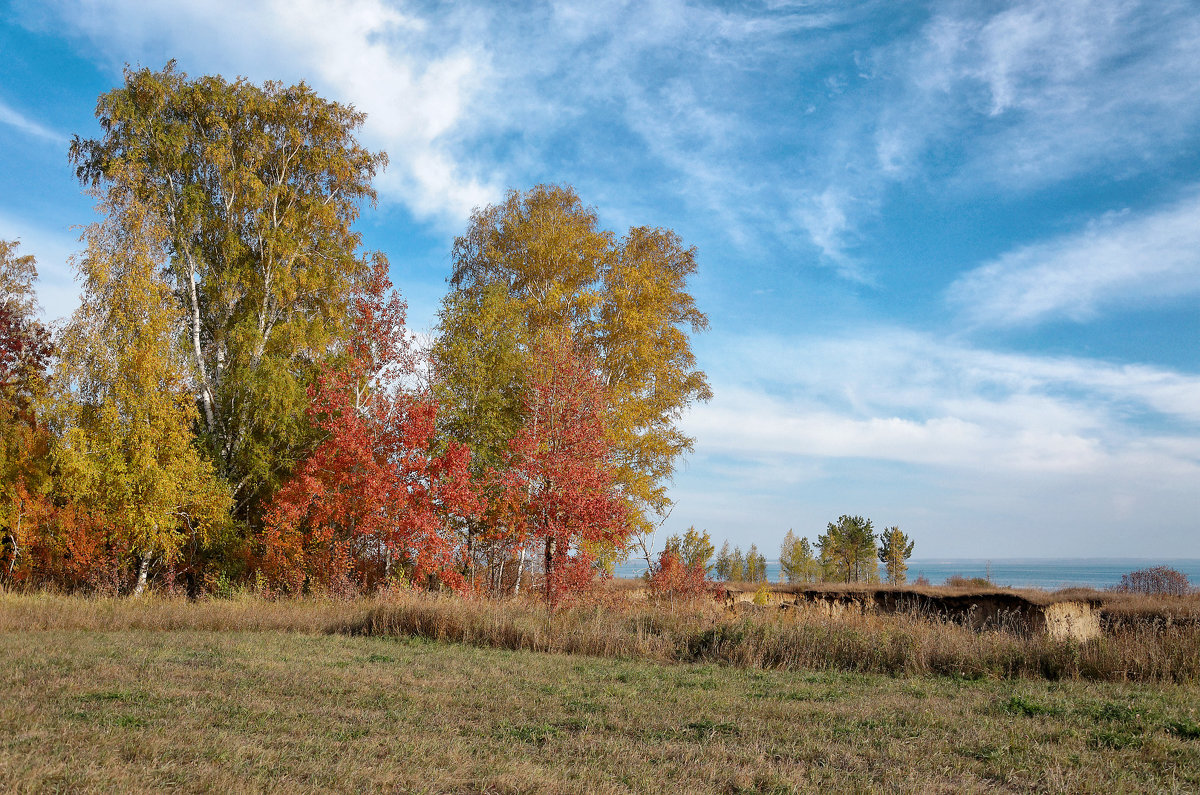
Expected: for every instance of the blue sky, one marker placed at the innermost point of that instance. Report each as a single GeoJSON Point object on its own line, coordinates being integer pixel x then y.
{"type": "Point", "coordinates": [950, 251]}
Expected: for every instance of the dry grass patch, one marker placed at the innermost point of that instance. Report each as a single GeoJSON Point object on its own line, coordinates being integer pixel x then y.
{"type": "Point", "coordinates": [46, 611]}
{"type": "Point", "coordinates": [805, 638]}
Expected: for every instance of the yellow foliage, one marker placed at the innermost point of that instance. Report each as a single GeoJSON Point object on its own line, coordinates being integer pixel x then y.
{"type": "Point", "coordinates": [624, 302]}
{"type": "Point", "coordinates": [128, 450]}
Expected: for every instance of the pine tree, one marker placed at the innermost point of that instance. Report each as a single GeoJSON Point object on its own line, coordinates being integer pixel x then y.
{"type": "Point", "coordinates": [848, 550]}
{"type": "Point", "coordinates": [895, 548]}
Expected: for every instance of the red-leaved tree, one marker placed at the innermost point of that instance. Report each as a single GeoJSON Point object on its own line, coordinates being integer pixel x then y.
{"type": "Point", "coordinates": [375, 500]}
{"type": "Point", "coordinates": [673, 578]}
{"type": "Point", "coordinates": [559, 475]}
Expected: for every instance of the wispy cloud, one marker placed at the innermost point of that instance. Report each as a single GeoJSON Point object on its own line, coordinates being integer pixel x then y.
{"type": "Point", "coordinates": [977, 452]}
{"type": "Point", "coordinates": [470, 99]}
{"type": "Point", "coordinates": [979, 98]}
{"type": "Point", "coordinates": [902, 396]}
{"type": "Point", "coordinates": [14, 118]}
{"type": "Point", "coordinates": [1122, 260]}
{"type": "Point", "coordinates": [416, 80]}
{"type": "Point", "coordinates": [1044, 91]}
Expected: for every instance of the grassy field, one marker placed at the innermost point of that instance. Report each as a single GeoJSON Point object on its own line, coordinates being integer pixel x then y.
{"type": "Point", "coordinates": [447, 695]}
{"type": "Point", "coordinates": [273, 710]}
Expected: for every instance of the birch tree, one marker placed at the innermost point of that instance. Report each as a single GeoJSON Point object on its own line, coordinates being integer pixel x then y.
{"type": "Point", "coordinates": [623, 304]}
{"type": "Point", "coordinates": [25, 350]}
{"type": "Point", "coordinates": [127, 450]}
{"type": "Point", "coordinates": [256, 188]}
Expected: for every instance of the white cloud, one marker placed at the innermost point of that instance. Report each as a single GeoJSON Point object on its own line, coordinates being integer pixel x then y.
{"type": "Point", "coordinates": [1122, 260]}
{"type": "Point", "coordinates": [416, 80]}
{"type": "Point", "coordinates": [463, 99]}
{"type": "Point", "coordinates": [906, 397]}
{"type": "Point", "coordinates": [1039, 92]}
{"type": "Point", "coordinates": [974, 451]}
{"type": "Point", "coordinates": [14, 118]}
{"type": "Point", "coordinates": [1019, 97]}
{"type": "Point", "coordinates": [748, 423]}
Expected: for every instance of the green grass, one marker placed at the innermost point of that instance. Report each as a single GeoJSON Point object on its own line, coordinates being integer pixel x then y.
{"type": "Point", "coordinates": [139, 709]}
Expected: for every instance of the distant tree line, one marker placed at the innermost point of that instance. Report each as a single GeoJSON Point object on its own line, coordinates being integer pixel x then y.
{"type": "Point", "coordinates": [848, 551]}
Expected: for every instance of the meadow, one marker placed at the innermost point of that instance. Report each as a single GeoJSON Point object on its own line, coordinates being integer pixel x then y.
{"type": "Point", "coordinates": [430, 694]}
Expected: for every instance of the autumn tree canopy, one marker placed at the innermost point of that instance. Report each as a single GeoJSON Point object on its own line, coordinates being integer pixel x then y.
{"type": "Point", "coordinates": [796, 560]}
{"type": "Point", "coordinates": [376, 501]}
{"type": "Point", "coordinates": [256, 188]}
{"type": "Point", "coordinates": [624, 305]}
{"type": "Point", "coordinates": [25, 351]}
{"type": "Point", "coordinates": [237, 397]}
{"type": "Point", "coordinates": [558, 471]}
{"type": "Point", "coordinates": [694, 548]}
{"type": "Point", "coordinates": [128, 454]}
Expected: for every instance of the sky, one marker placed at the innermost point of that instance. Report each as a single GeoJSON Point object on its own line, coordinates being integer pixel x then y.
{"type": "Point", "coordinates": [949, 251]}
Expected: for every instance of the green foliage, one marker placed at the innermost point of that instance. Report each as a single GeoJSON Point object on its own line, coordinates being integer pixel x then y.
{"type": "Point", "coordinates": [737, 566]}
{"type": "Point", "coordinates": [256, 188]}
{"type": "Point", "coordinates": [848, 550]}
{"type": "Point", "coordinates": [756, 565]}
{"type": "Point", "coordinates": [478, 373]}
{"type": "Point", "coordinates": [894, 549]}
{"type": "Point", "coordinates": [796, 560]}
{"type": "Point", "coordinates": [721, 564]}
{"type": "Point", "coordinates": [694, 549]}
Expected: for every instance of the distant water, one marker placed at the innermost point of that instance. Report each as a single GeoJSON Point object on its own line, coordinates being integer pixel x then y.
{"type": "Point", "coordinates": [1050, 573]}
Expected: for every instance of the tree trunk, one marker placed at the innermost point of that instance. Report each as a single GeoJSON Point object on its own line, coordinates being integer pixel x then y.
{"type": "Point", "coordinates": [549, 570]}
{"type": "Point", "coordinates": [143, 572]}
{"type": "Point", "coordinates": [16, 546]}
{"type": "Point", "coordinates": [520, 569]}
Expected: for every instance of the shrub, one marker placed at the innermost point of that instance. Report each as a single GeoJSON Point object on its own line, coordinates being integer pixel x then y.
{"type": "Point", "coordinates": [959, 581]}
{"type": "Point", "coordinates": [1157, 580]}
{"type": "Point", "coordinates": [672, 577]}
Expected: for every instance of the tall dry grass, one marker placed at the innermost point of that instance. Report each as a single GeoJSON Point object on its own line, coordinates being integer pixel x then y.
{"type": "Point", "coordinates": [701, 631]}
{"type": "Point", "coordinates": [896, 644]}
{"type": "Point", "coordinates": [23, 612]}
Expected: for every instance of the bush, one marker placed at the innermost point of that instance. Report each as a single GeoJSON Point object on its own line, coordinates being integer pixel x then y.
{"type": "Point", "coordinates": [671, 577]}
{"type": "Point", "coordinates": [1157, 580]}
{"type": "Point", "coordinates": [959, 581]}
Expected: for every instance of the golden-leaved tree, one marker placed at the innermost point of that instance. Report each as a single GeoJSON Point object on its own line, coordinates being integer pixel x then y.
{"type": "Point", "coordinates": [127, 452]}
{"type": "Point", "coordinates": [256, 188]}
{"type": "Point", "coordinates": [624, 305]}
